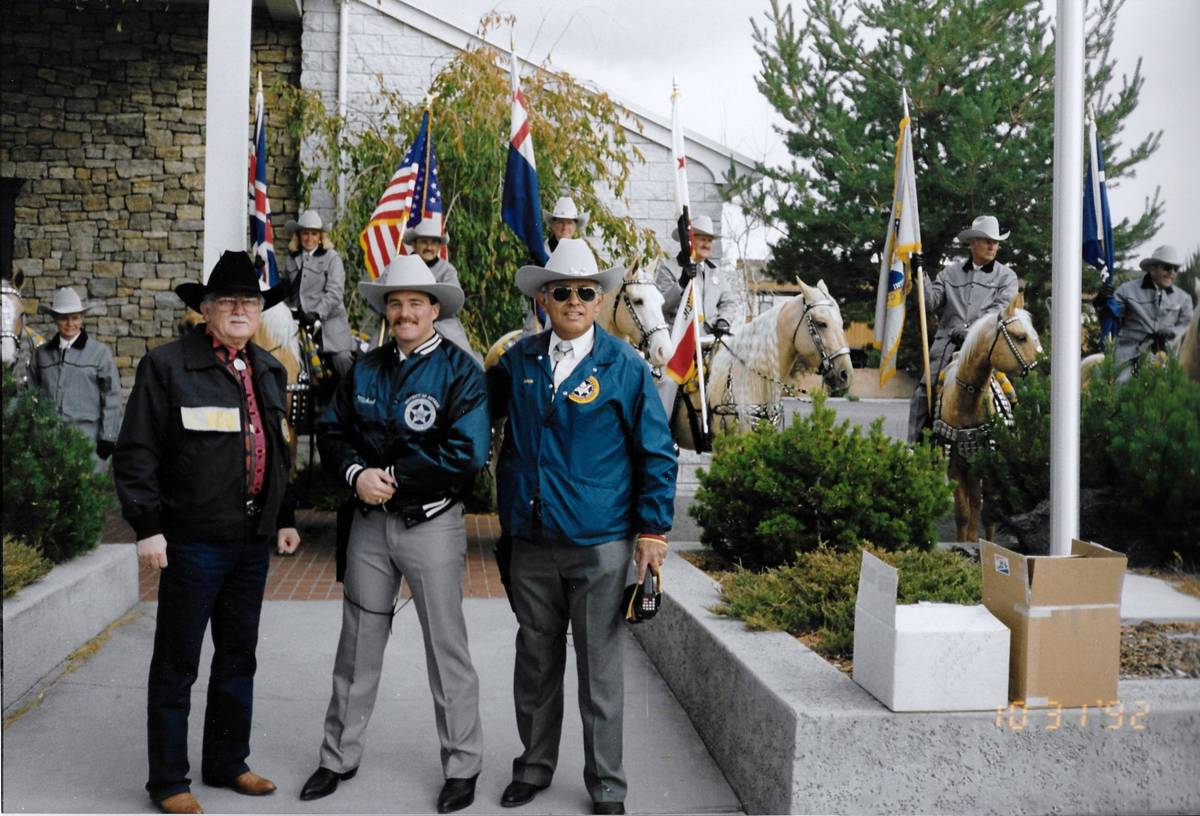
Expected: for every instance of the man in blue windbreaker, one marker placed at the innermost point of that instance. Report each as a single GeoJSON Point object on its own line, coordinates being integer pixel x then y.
{"type": "Point", "coordinates": [586, 484]}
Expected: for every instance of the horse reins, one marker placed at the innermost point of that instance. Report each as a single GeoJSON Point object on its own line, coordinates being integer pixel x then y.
{"type": "Point", "coordinates": [826, 358]}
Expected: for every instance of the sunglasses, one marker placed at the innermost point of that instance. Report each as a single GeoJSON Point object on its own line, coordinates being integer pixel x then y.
{"type": "Point", "coordinates": [563, 293]}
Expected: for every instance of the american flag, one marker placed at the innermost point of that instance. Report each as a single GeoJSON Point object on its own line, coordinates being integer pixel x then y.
{"type": "Point", "coordinates": [415, 181]}
{"type": "Point", "coordinates": [262, 236]}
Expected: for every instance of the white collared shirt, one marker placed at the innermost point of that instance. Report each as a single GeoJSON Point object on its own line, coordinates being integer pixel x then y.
{"type": "Point", "coordinates": [64, 343]}
{"type": "Point", "coordinates": [581, 346]}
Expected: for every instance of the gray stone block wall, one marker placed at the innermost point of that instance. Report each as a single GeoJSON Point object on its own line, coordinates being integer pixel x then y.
{"type": "Point", "coordinates": [102, 116]}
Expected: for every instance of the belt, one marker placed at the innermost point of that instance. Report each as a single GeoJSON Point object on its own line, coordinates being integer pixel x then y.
{"type": "Point", "coordinates": [254, 508]}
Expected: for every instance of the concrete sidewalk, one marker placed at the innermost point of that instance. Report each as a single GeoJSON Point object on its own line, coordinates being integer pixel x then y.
{"type": "Point", "coordinates": [83, 748]}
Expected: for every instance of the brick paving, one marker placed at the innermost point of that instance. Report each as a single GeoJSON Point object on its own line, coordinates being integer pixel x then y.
{"type": "Point", "coordinates": [309, 574]}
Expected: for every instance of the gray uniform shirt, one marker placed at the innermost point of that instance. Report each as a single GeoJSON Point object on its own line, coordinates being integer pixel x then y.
{"type": "Point", "coordinates": [1145, 309]}
{"type": "Point", "coordinates": [719, 301]}
{"type": "Point", "coordinates": [83, 383]}
{"type": "Point", "coordinates": [962, 294]}
{"type": "Point", "coordinates": [451, 328]}
{"type": "Point", "coordinates": [322, 292]}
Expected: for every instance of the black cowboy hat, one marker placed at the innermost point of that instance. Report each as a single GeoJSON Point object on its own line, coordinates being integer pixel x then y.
{"type": "Point", "coordinates": [234, 272]}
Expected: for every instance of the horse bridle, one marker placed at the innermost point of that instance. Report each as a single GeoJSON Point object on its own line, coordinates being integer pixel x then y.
{"type": "Point", "coordinates": [6, 333]}
{"type": "Point", "coordinates": [1001, 331]}
{"type": "Point", "coordinates": [827, 359]}
{"type": "Point", "coordinates": [623, 296]}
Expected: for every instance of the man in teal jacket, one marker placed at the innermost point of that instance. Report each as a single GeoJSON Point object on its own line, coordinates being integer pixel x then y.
{"type": "Point", "coordinates": [586, 483]}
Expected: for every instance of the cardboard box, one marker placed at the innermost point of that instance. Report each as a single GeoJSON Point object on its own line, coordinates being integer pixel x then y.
{"type": "Point", "coordinates": [1065, 617]}
{"type": "Point", "coordinates": [926, 656]}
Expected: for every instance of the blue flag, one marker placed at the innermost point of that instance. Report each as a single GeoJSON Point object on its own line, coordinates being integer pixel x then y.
{"type": "Point", "coordinates": [1097, 229]}
{"type": "Point", "coordinates": [522, 207]}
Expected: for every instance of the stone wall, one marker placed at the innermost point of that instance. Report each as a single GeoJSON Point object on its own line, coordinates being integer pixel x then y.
{"type": "Point", "coordinates": [102, 116]}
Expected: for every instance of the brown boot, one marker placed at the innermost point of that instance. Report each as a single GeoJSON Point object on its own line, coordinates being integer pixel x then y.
{"type": "Point", "coordinates": [180, 803]}
{"type": "Point", "coordinates": [251, 784]}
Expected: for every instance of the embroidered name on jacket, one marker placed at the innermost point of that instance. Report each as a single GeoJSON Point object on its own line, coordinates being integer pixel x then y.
{"type": "Point", "coordinates": [420, 410]}
{"type": "Point", "coordinates": [585, 392]}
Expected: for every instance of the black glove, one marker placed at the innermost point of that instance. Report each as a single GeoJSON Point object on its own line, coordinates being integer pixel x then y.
{"type": "Point", "coordinates": [1164, 337]}
{"type": "Point", "coordinates": [917, 260]}
{"type": "Point", "coordinates": [105, 448]}
{"type": "Point", "coordinates": [1106, 291]}
{"type": "Point", "coordinates": [958, 336]}
{"type": "Point", "coordinates": [720, 328]}
{"type": "Point", "coordinates": [306, 319]}
{"type": "Point", "coordinates": [687, 271]}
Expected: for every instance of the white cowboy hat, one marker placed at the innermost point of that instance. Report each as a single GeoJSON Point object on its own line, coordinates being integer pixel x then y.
{"type": "Point", "coordinates": [701, 225]}
{"type": "Point", "coordinates": [309, 219]}
{"type": "Point", "coordinates": [65, 302]}
{"type": "Point", "coordinates": [410, 274]}
{"type": "Point", "coordinates": [985, 226]}
{"type": "Point", "coordinates": [429, 227]}
{"type": "Point", "coordinates": [1165, 254]}
{"type": "Point", "coordinates": [565, 208]}
{"type": "Point", "coordinates": [572, 259]}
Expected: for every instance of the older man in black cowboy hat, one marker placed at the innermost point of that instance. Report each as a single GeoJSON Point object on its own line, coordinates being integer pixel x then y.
{"type": "Point", "coordinates": [201, 470]}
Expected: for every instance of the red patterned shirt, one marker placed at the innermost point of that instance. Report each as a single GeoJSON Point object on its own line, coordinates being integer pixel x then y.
{"type": "Point", "coordinates": [238, 364]}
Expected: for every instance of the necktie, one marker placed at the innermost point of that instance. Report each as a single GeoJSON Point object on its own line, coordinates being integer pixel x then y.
{"type": "Point", "coordinates": [562, 350]}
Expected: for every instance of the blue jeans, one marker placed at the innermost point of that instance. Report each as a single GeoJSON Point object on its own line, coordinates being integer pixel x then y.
{"type": "Point", "coordinates": [223, 583]}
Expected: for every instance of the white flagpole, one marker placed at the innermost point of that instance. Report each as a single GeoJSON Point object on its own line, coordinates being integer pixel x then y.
{"type": "Point", "coordinates": [678, 147]}
{"type": "Point", "coordinates": [1067, 275]}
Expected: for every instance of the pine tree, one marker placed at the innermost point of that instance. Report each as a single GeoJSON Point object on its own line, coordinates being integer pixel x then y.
{"type": "Point", "coordinates": [980, 80]}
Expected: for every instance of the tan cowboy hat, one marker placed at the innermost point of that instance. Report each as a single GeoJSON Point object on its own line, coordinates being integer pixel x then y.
{"type": "Point", "coordinates": [565, 208]}
{"type": "Point", "coordinates": [985, 226]}
{"type": "Point", "coordinates": [701, 225]}
{"type": "Point", "coordinates": [572, 259]}
{"type": "Point", "coordinates": [429, 227]}
{"type": "Point", "coordinates": [234, 272]}
{"type": "Point", "coordinates": [1165, 254]}
{"type": "Point", "coordinates": [410, 274]}
{"type": "Point", "coordinates": [309, 219]}
{"type": "Point", "coordinates": [65, 302]}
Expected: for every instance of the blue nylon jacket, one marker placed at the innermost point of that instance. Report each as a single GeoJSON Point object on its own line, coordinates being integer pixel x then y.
{"type": "Point", "coordinates": [424, 420]}
{"type": "Point", "coordinates": [598, 460]}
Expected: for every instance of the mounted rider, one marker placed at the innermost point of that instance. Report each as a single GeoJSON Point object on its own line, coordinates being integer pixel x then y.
{"type": "Point", "coordinates": [427, 239]}
{"type": "Point", "coordinates": [963, 292]}
{"type": "Point", "coordinates": [316, 282]}
{"type": "Point", "coordinates": [719, 312]}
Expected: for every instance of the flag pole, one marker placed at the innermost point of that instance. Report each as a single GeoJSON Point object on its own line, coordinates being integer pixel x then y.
{"type": "Point", "coordinates": [1067, 273]}
{"type": "Point", "coordinates": [921, 319]}
{"type": "Point", "coordinates": [697, 294]}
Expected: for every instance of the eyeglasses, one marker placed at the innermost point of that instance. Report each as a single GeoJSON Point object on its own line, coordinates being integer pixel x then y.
{"type": "Point", "coordinates": [249, 303]}
{"type": "Point", "coordinates": [563, 293]}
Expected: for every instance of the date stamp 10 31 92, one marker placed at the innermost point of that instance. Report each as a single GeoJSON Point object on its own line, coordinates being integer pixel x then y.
{"type": "Point", "coordinates": [1115, 714]}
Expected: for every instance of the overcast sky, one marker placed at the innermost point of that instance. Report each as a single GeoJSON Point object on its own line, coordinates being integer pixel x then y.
{"type": "Point", "coordinates": [626, 48]}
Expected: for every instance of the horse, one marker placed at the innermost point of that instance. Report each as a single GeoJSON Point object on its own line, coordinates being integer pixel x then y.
{"type": "Point", "coordinates": [969, 395]}
{"type": "Point", "coordinates": [17, 340]}
{"type": "Point", "coordinates": [1189, 346]}
{"type": "Point", "coordinates": [633, 313]}
{"type": "Point", "coordinates": [751, 371]}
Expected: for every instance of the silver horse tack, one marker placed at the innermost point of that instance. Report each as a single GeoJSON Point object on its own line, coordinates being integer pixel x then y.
{"type": "Point", "coordinates": [644, 344]}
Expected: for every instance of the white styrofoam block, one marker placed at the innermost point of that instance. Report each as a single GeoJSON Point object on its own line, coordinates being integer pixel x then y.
{"type": "Point", "coordinates": [927, 656]}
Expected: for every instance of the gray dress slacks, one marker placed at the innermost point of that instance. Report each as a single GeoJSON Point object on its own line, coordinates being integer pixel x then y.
{"type": "Point", "coordinates": [431, 556]}
{"type": "Point", "coordinates": [554, 583]}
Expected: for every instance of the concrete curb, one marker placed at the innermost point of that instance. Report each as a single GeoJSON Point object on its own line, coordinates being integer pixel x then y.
{"type": "Point", "coordinates": [795, 735]}
{"type": "Point", "coordinates": [50, 618]}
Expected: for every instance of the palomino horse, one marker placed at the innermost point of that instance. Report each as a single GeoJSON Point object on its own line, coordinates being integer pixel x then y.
{"type": "Point", "coordinates": [749, 373]}
{"type": "Point", "coordinates": [17, 341]}
{"type": "Point", "coordinates": [966, 400]}
{"type": "Point", "coordinates": [1189, 346]}
{"type": "Point", "coordinates": [633, 312]}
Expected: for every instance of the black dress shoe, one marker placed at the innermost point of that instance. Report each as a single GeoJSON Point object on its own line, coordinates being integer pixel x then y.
{"type": "Point", "coordinates": [456, 794]}
{"type": "Point", "coordinates": [323, 782]}
{"type": "Point", "coordinates": [520, 793]}
{"type": "Point", "coordinates": [608, 807]}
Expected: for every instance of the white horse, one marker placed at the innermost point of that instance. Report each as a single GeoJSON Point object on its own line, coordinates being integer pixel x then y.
{"type": "Point", "coordinates": [750, 372]}
{"type": "Point", "coordinates": [17, 340]}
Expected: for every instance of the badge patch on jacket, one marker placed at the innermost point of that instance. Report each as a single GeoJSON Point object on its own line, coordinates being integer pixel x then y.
{"type": "Point", "coordinates": [585, 392]}
{"type": "Point", "coordinates": [211, 418]}
{"type": "Point", "coordinates": [420, 410]}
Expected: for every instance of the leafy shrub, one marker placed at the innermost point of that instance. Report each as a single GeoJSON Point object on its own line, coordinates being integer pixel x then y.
{"type": "Point", "coordinates": [53, 498]}
{"type": "Point", "coordinates": [770, 494]}
{"type": "Point", "coordinates": [1139, 453]}
{"type": "Point", "coordinates": [22, 565]}
{"type": "Point", "coordinates": [816, 594]}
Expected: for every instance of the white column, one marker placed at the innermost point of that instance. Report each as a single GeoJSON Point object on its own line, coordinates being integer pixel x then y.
{"type": "Point", "coordinates": [226, 129]}
{"type": "Point", "coordinates": [1067, 274]}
